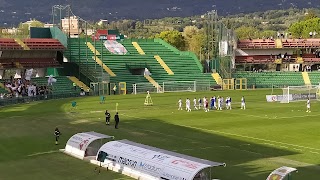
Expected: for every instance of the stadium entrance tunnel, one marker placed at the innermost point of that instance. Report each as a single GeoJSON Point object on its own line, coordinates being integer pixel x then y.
{"type": "Point", "coordinates": [86, 144]}
{"type": "Point", "coordinates": [138, 68]}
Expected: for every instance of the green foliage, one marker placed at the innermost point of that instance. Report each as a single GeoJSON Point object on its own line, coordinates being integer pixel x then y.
{"type": "Point", "coordinates": [310, 15]}
{"type": "Point", "coordinates": [195, 39]}
{"type": "Point", "coordinates": [174, 38]}
{"type": "Point", "coordinates": [303, 28]}
{"type": "Point", "coordinates": [244, 32]}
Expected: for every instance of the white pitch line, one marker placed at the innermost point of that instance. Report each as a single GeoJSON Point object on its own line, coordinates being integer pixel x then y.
{"type": "Point", "coordinates": [42, 153]}
{"type": "Point", "coordinates": [268, 117]}
{"type": "Point", "coordinates": [297, 149]}
{"type": "Point", "coordinates": [314, 152]}
{"type": "Point", "coordinates": [237, 135]}
{"type": "Point", "coordinates": [289, 117]}
{"type": "Point", "coordinates": [254, 138]}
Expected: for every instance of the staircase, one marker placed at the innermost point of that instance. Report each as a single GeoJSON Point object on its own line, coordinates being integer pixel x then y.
{"type": "Point", "coordinates": [22, 44]}
{"type": "Point", "coordinates": [306, 78]}
{"type": "Point", "coordinates": [278, 43]}
{"type": "Point", "coordinates": [164, 65]}
{"type": "Point", "coordinates": [152, 81]}
{"type": "Point", "coordinates": [299, 60]}
{"type": "Point", "coordinates": [18, 65]}
{"type": "Point", "coordinates": [138, 48]}
{"type": "Point", "coordinates": [93, 49]}
{"type": "Point", "coordinates": [217, 78]}
{"type": "Point", "coordinates": [79, 83]}
{"type": "Point", "coordinates": [106, 68]}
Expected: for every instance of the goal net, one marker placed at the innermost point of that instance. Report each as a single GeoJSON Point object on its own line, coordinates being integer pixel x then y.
{"type": "Point", "coordinates": [172, 86]}
{"type": "Point", "coordinates": [300, 93]}
{"type": "Point", "coordinates": [179, 86]}
{"type": "Point", "coordinates": [140, 88]}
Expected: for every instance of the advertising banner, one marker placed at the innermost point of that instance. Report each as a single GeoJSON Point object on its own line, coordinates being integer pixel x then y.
{"type": "Point", "coordinates": [278, 98]}
{"type": "Point", "coordinates": [305, 96]}
{"type": "Point", "coordinates": [148, 161]}
{"type": "Point", "coordinates": [78, 143]}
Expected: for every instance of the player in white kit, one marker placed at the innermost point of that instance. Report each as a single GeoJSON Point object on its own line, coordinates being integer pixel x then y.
{"type": "Point", "coordinates": [180, 104]}
{"type": "Point", "coordinates": [188, 105]}
{"type": "Point", "coordinates": [243, 103]}
{"type": "Point", "coordinates": [219, 104]}
{"type": "Point", "coordinates": [308, 106]}
{"type": "Point", "coordinates": [195, 104]}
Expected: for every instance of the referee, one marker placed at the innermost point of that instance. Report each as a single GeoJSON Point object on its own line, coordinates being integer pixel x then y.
{"type": "Point", "coordinates": [107, 117]}
{"type": "Point", "coordinates": [57, 134]}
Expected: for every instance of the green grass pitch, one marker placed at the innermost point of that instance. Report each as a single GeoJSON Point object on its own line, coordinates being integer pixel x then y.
{"type": "Point", "coordinates": [252, 142]}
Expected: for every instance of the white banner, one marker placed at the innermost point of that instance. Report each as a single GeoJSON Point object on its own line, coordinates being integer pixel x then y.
{"type": "Point", "coordinates": [277, 98]}
{"type": "Point", "coordinates": [272, 98]}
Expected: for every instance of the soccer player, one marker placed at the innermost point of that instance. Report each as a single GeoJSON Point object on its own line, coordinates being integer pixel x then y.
{"type": "Point", "coordinates": [107, 117]}
{"type": "Point", "coordinates": [57, 134]}
{"type": "Point", "coordinates": [188, 105]}
{"type": "Point", "coordinates": [222, 101]}
{"type": "Point", "coordinates": [227, 103]}
{"type": "Point", "coordinates": [200, 103]}
{"type": "Point", "coordinates": [243, 103]}
{"type": "Point", "coordinates": [230, 103]}
{"type": "Point", "coordinates": [206, 104]}
{"type": "Point", "coordinates": [117, 120]}
{"type": "Point", "coordinates": [215, 102]}
{"type": "Point", "coordinates": [180, 104]}
{"type": "Point", "coordinates": [195, 104]}
{"type": "Point", "coordinates": [219, 104]}
{"type": "Point", "coordinates": [308, 106]}
{"type": "Point", "coordinates": [212, 103]}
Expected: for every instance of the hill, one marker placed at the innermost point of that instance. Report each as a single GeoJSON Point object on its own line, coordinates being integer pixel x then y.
{"type": "Point", "coordinates": [13, 12]}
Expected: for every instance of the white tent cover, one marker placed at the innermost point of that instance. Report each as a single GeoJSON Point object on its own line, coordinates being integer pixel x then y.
{"type": "Point", "coordinates": [154, 162]}
{"type": "Point", "coordinates": [78, 143]}
{"type": "Point", "coordinates": [281, 173]}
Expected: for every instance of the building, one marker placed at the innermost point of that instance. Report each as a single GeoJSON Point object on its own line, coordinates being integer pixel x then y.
{"type": "Point", "coordinates": [10, 31]}
{"type": "Point", "coordinates": [48, 25]}
{"type": "Point", "coordinates": [71, 25]}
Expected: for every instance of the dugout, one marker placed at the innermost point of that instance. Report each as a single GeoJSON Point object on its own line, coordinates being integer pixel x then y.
{"type": "Point", "coordinates": [282, 173]}
{"type": "Point", "coordinates": [86, 144]}
{"type": "Point", "coordinates": [145, 162]}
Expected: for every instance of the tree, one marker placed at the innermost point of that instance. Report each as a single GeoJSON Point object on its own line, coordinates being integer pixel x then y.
{"type": "Point", "coordinates": [195, 39]}
{"type": "Point", "coordinates": [303, 28]}
{"type": "Point", "coordinates": [244, 32]}
{"type": "Point", "coordinates": [174, 38]}
{"type": "Point", "coordinates": [310, 15]}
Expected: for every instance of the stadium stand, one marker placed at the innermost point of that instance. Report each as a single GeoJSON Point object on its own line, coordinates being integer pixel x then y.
{"type": "Point", "coordinates": [269, 79]}
{"type": "Point", "coordinates": [279, 62]}
{"type": "Point", "coordinates": [314, 78]}
{"type": "Point", "coordinates": [9, 44]}
{"type": "Point", "coordinates": [163, 61]}
{"type": "Point", "coordinates": [43, 44]}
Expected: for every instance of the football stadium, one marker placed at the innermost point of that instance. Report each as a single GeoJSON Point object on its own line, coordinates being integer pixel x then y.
{"type": "Point", "coordinates": [106, 106]}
